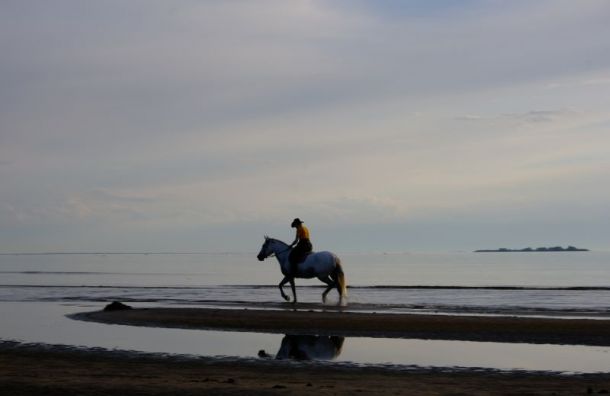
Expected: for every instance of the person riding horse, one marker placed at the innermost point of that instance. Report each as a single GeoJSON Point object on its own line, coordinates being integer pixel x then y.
{"type": "Point", "coordinates": [301, 245]}
{"type": "Point", "coordinates": [325, 266]}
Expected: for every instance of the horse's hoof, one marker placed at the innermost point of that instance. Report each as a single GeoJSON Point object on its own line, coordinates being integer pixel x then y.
{"type": "Point", "coordinates": [287, 298]}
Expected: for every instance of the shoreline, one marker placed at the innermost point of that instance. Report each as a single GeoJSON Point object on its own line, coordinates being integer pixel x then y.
{"type": "Point", "coordinates": [268, 361]}
{"type": "Point", "coordinates": [38, 369]}
{"type": "Point", "coordinates": [590, 332]}
{"type": "Point", "coordinates": [34, 369]}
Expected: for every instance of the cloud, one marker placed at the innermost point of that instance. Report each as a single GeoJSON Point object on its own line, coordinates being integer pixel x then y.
{"type": "Point", "coordinates": [366, 209]}
{"type": "Point", "coordinates": [110, 207]}
{"type": "Point", "coordinates": [239, 112]}
{"type": "Point", "coordinates": [532, 116]}
{"type": "Point", "coordinates": [540, 115]}
{"type": "Point", "coordinates": [587, 82]}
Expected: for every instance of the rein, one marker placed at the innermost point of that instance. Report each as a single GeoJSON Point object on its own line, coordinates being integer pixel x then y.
{"type": "Point", "coordinates": [274, 254]}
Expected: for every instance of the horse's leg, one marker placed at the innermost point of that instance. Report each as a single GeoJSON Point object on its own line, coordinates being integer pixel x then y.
{"type": "Point", "coordinates": [330, 284]}
{"type": "Point", "coordinates": [282, 283]}
{"type": "Point", "coordinates": [294, 290]}
{"type": "Point", "coordinates": [339, 278]}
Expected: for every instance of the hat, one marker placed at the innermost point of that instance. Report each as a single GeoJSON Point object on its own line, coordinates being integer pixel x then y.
{"type": "Point", "coordinates": [296, 222]}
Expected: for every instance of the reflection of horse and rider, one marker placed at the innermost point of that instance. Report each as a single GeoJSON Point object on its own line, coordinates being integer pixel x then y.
{"type": "Point", "coordinates": [298, 261]}
{"type": "Point", "coordinates": [308, 347]}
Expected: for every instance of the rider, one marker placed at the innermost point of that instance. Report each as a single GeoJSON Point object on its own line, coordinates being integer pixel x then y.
{"type": "Point", "coordinates": [302, 245]}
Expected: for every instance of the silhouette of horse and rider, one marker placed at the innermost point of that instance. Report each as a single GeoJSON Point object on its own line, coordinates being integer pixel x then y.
{"type": "Point", "coordinates": [297, 260]}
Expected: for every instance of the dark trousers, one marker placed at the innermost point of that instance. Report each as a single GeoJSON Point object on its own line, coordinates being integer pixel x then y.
{"type": "Point", "coordinates": [298, 254]}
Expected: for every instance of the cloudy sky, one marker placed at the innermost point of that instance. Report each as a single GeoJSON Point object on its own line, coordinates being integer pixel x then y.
{"type": "Point", "coordinates": [386, 126]}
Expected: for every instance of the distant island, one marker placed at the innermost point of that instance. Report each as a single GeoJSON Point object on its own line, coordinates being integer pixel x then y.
{"type": "Point", "coordinates": [529, 249]}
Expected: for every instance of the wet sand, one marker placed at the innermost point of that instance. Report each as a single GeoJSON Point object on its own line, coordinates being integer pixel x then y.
{"type": "Point", "coordinates": [38, 371]}
{"type": "Point", "coordinates": [34, 370]}
{"type": "Point", "coordinates": [437, 327]}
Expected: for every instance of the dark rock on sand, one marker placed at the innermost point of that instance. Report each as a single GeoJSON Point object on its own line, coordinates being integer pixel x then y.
{"type": "Point", "coordinates": [116, 306]}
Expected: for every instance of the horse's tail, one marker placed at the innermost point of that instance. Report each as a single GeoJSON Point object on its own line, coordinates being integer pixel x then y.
{"type": "Point", "coordinates": [340, 276]}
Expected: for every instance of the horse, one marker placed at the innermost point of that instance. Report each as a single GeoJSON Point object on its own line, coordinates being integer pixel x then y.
{"type": "Point", "coordinates": [325, 266]}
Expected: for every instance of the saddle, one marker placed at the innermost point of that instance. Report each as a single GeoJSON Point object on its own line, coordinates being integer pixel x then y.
{"type": "Point", "coordinates": [298, 259]}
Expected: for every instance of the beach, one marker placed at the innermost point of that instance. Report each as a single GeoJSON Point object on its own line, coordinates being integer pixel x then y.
{"type": "Point", "coordinates": [440, 327]}
{"type": "Point", "coordinates": [39, 369]}
{"type": "Point", "coordinates": [215, 325]}
{"type": "Point", "coordinates": [304, 197]}
{"type": "Point", "coordinates": [42, 371]}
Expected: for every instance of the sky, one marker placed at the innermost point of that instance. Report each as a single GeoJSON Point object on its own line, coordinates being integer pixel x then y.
{"type": "Point", "coordinates": [385, 126]}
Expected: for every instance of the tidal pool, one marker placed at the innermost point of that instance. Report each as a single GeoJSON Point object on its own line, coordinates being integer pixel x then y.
{"type": "Point", "coordinates": [47, 323]}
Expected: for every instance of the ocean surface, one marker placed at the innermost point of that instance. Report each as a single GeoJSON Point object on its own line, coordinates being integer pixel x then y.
{"type": "Point", "coordinates": [38, 291]}
{"type": "Point", "coordinates": [550, 284]}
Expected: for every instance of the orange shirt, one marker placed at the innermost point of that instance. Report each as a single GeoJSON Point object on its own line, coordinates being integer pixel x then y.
{"type": "Point", "coordinates": [302, 232]}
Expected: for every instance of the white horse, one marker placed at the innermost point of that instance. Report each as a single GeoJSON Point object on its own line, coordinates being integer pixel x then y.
{"type": "Point", "coordinates": [325, 266]}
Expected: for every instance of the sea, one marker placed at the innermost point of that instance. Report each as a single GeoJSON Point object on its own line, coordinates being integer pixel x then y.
{"type": "Point", "coordinates": [38, 292]}
{"type": "Point", "coordinates": [553, 284]}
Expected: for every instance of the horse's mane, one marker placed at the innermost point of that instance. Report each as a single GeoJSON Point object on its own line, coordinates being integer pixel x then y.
{"type": "Point", "coordinates": [275, 240]}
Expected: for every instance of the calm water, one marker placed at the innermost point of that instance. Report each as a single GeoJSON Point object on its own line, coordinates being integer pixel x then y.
{"type": "Point", "coordinates": [37, 291]}
{"type": "Point", "coordinates": [47, 323]}
{"type": "Point", "coordinates": [563, 284]}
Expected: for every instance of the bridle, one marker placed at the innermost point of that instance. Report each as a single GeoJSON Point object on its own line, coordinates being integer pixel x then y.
{"type": "Point", "coordinates": [274, 254]}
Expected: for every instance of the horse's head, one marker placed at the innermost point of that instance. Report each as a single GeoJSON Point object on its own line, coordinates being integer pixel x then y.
{"type": "Point", "coordinates": [265, 249]}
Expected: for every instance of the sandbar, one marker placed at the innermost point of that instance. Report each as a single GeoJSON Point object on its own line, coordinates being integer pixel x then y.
{"type": "Point", "coordinates": [357, 324]}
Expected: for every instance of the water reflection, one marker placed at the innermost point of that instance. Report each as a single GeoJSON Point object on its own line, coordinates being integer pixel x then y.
{"type": "Point", "coordinates": [308, 347]}
{"type": "Point", "coordinates": [46, 323]}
